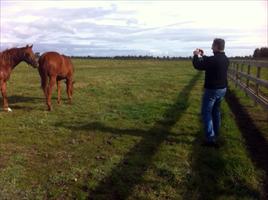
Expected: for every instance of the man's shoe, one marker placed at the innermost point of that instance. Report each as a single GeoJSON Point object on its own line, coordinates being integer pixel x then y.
{"type": "Point", "coordinates": [210, 144]}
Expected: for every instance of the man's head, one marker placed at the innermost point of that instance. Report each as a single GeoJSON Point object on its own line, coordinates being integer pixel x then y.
{"type": "Point", "coordinates": [218, 45]}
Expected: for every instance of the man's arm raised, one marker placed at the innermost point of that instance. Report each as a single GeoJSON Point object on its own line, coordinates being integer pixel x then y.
{"type": "Point", "coordinates": [199, 61]}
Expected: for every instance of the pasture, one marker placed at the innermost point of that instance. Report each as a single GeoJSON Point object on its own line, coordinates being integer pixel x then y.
{"type": "Point", "coordinates": [133, 132]}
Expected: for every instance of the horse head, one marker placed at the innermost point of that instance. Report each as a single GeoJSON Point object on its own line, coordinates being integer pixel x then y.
{"type": "Point", "coordinates": [29, 56]}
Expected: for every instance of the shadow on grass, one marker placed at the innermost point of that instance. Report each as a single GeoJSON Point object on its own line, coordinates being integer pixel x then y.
{"type": "Point", "coordinates": [14, 100]}
{"type": "Point", "coordinates": [129, 172]}
{"type": "Point", "coordinates": [210, 177]}
{"type": "Point", "coordinates": [257, 144]}
{"type": "Point", "coordinates": [22, 99]}
{"type": "Point", "coordinates": [133, 132]}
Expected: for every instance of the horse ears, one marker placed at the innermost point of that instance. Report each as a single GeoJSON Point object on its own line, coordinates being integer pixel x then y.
{"type": "Point", "coordinates": [27, 46]}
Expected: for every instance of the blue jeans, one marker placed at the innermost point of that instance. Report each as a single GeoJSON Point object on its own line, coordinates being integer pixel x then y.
{"type": "Point", "coordinates": [211, 112]}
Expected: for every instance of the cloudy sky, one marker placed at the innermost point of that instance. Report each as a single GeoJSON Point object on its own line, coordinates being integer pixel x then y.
{"type": "Point", "coordinates": [158, 28]}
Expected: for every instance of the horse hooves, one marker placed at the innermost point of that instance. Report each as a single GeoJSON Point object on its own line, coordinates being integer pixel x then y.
{"type": "Point", "coordinates": [49, 109]}
{"type": "Point", "coordinates": [8, 109]}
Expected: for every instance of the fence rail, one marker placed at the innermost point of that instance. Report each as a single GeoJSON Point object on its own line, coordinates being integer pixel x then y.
{"type": "Point", "coordinates": [241, 72]}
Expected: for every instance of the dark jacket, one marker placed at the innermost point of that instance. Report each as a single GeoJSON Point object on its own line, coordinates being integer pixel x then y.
{"type": "Point", "coordinates": [215, 69]}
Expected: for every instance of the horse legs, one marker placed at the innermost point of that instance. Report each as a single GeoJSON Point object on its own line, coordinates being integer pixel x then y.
{"type": "Point", "coordinates": [44, 85]}
{"type": "Point", "coordinates": [4, 94]}
{"type": "Point", "coordinates": [69, 89]}
{"type": "Point", "coordinates": [59, 91]}
{"type": "Point", "coordinates": [52, 82]}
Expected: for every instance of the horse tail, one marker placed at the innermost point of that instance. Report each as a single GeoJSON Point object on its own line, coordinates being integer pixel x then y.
{"type": "Point", "coordinates": [43, 82]}
{"type": "Point", "coordinates": [41, 60]}
{"type": "Point", "coordinates": [42, 72]}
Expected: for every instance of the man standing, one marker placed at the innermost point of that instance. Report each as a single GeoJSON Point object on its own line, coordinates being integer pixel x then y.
{"type": "Point", "coordinates": [215, 68]}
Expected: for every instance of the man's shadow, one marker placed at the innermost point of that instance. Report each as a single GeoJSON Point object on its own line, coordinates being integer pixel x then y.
{"type": "Point", "coordinates": [256, 143]}
{"type": "Point", "coordinates": [210, 178]}
{"type": "Point", "coordinates": [130, 170]}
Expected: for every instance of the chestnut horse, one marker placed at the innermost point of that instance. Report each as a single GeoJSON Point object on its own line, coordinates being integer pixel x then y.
{"type": "Point", "coordinates": [9, 59]}
{"type": "Point", "coordinates": [56, 67]}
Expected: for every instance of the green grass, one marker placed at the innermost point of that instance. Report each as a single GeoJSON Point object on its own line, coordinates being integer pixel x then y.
{"type": "Point", "coordinates": [133, 132]}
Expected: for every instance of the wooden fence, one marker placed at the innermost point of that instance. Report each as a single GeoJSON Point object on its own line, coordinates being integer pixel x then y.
{"type": "Point", "coordinates": [247, 74]}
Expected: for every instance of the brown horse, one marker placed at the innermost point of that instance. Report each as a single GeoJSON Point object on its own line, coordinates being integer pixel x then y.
{"type": "Point", "coordinates": [9, 59]}
{"type": "Point", "coordinates": [56, 67]}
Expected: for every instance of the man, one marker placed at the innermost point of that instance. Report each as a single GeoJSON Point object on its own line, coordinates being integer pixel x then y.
{"type": "Point", "coordinates": [215, 68]}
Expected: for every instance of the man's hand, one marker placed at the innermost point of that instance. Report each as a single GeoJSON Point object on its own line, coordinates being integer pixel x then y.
{"type": "Point", "coordinates": [201, 52]}
{"type": "Point", "coordinates": [198, 52]}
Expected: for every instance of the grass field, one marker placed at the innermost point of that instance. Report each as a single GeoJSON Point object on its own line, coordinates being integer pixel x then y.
{"type": "Point", "coordinates": [133, 132]}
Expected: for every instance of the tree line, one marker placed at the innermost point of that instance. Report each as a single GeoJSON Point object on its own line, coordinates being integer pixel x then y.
{"type": "Point", "coordinates": [138, 57]}
{"type": "Point", "coordinates": [261, 52]}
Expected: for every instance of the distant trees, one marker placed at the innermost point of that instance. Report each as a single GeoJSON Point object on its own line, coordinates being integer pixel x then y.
{"type": "Point", "coordinates": [241, 57]}
{"type": "Point", "coordinates": [133, 57]}
{"type": "Point", "coordinates": [261, 53]}
{"type": "Point", "coordinates": [37, 54]}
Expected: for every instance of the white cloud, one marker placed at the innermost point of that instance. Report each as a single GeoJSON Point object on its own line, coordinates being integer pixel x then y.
{"type": "Point", "coordinates": [138, 27]}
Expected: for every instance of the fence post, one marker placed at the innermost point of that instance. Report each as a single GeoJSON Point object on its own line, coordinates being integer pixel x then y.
{"type": "Point", "coordinates": [248, 72]}
{"type": "Point", "coordinates": [252, 83]}
{"type": "Point", "coordinates": [258, 76]}
{"type": "Point", "coordinates": [236, 75]}
{"type": "Point", "coordinates": [242, 70]}
{"type": "Point", "coordinates": [257, 85]}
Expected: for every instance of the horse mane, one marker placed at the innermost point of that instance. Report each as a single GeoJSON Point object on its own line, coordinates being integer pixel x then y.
{"type": "Point", "coordinates": [8, 54]}
{"type": "Point", "coordinates": [7, 51]}
{"type": "Point", "coordinates": [63, 55]}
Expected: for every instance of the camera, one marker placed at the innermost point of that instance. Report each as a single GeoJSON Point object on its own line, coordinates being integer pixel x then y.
{"type": "Point", "coordinates": [201, 52]}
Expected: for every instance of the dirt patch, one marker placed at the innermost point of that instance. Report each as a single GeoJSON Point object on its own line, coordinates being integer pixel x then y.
{"type": "Point", "coordinates": [3, 162]}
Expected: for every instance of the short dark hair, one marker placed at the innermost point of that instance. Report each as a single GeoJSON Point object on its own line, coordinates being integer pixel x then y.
{"type": "Point", "coordinates": [220, 43]}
